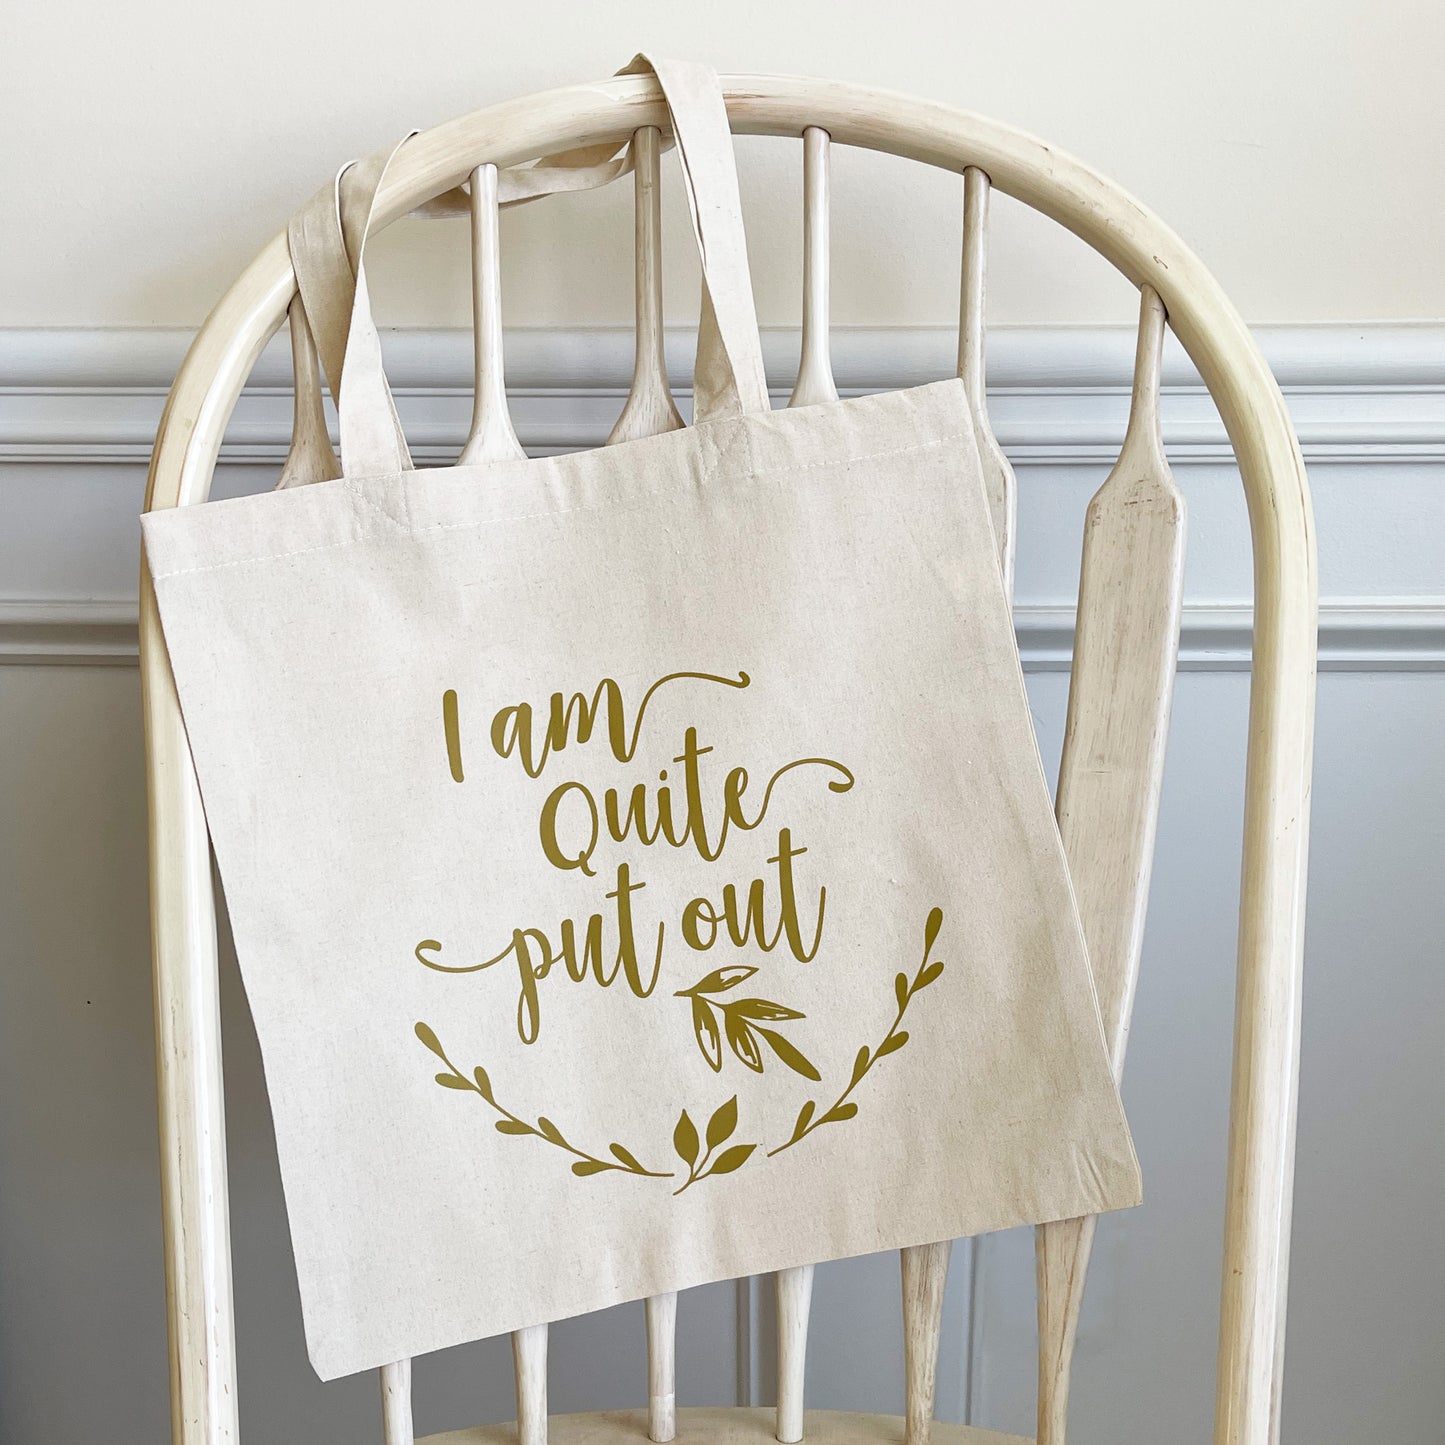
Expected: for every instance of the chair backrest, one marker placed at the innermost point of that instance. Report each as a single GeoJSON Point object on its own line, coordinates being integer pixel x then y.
{"type": "Point", "coordinates": [1122, 680]}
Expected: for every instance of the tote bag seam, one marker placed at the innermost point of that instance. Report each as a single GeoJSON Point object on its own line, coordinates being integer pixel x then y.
{"type": "Point", "coordinates": [641, 501]}
{"type": "Point", "coordinates": [353, 486]}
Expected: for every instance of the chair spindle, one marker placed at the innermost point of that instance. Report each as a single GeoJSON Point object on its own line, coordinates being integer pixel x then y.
{"type": "Point", "coordinates": [815, 367]}
{"type": "Point", "coordinates": [650, 409]}
{"type": "Point", "coordinates": [662, 1367]}
{"type": "Point", "coordinates": [795, 1298]}
{"type": "Point", "coordinates": [1125, 650]}
{"type": "Point", "coordinates": [491, 438]}
{"type": "Point", "coordinates": [814, 385]}
{"type": "Point", "coordinates": [925, 1273]}
{"type": "Point", "coordinates": [998, 475]}
{"type": "Point", "coordinates": [529, 1368]}
{"type": "Point", "coordinates": [311, 457]}
{"type": "Point", "coordinates": [396, 1426]}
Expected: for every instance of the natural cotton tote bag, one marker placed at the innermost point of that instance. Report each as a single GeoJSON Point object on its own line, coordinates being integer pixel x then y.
{"type": "Point", "coordinates": [639, 862]}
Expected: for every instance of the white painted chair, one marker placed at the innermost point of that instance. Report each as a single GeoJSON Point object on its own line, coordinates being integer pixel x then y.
{"type": "Point", "coordinates": [1110, 774]}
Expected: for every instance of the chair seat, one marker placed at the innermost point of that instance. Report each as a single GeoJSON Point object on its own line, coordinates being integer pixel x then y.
{"type": "Point", "coordinates": [725, 1426]}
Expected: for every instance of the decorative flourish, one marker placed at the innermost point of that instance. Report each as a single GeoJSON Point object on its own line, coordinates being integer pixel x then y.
{"type": "Point", "coordinates": [743, 1024]}
{"type": "Point", "coordinates": [843, 1108]}
{"type": "Point", "coordinates": [742, 1019]}
{"type": "Point", "coordinates": [704, 1164]}
{"type": "Point", "coordinates": [623, 1161]}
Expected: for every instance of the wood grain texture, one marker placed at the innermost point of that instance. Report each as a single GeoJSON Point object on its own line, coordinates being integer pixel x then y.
{"type": "Point", "coordinates": [1277, 784]}
{"type": "Point", "coordinates": [998, 476]}
{"type": "Point", "coordinates": [529, 1368]}
{"type": "Point", "coordinates": [310, 457]}
{"type": "Point", "coordinates": [726, 1426]}
{"type": "Point", "coordinates": [195, 1213]}
{"type": "Point", "coordinates": [649, 409]}
{"type": "Point", "coordinates": [662, 1367]}
{"type": "Point", "coordinates": [925, 1275]}
{"type": "Point", "coordinates": [1130, 587]}
{"type": "Point", "coordinates": [396, 1426]}
{"type": "Point", "coordinates": [491, 438]}
{"type": "Point", "coordinates": [795, 1299]}
{"type": "Point", "coordinates": [814, 383]}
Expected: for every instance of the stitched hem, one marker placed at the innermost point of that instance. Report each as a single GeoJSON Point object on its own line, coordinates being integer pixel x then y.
{"type": "Point", "coordinates": [757, 478]}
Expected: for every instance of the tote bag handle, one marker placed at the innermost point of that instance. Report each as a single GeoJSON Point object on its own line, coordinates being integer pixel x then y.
{"type": "Point", "coordinates": [328, 238]}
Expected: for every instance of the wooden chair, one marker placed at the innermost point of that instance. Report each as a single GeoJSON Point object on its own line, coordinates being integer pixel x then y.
{"type": "Point", "coordinates": [1110, 774]}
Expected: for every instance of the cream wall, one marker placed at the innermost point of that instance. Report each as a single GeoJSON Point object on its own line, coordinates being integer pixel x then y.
{"type": "Point", "coordinates": [1299, 145]}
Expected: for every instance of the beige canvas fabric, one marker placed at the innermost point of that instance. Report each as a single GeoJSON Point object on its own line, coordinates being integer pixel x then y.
{"type": "Point", "coordinates": [640, 863]}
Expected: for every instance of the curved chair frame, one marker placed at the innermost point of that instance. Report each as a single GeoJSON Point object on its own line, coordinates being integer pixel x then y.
{"type": "Point", "coordinates": [1266, 1043]}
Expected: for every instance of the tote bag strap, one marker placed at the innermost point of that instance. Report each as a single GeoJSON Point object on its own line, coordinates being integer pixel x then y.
{"type": "Point", "coordinates": [328, 241]}
{"type": "Point", "coordinates": [729, 376]}
{"type": "Point", "coordinates": [324, 259]}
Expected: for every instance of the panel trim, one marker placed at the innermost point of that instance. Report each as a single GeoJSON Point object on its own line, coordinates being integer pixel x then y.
{"type": "Point", "coordinates": [1359, 393]}
{"type": "Point", "coordinates": [1370, 634]}
{"type": "Point", "coordinates": [1058, 394]}
{"type": "Point", "coordinates": [1353, 354]}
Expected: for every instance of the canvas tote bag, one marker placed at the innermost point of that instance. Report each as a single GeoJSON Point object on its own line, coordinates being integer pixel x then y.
{"type": "Point", "coordinates": [639, 862]}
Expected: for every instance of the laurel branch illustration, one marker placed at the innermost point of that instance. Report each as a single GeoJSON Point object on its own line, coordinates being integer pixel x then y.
{"type": "Point", "coordinates": [744, 1023]}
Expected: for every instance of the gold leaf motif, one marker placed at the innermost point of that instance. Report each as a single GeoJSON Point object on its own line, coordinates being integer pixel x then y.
{"type": "Point", "coordinates": [709, 1040]}
{"type": "Point", "coordinates": [793, 1057]}
{"type": "Point", "coordinates": [930, 930]}
{"type": "Point", "coordinates": [722, 1123]}
{"type": "Point", "coordinates": [626, 1156]}
{"type": "Point", "coordinates": [762, 1010]}
{"type": "Point", "coordinates": [742, 1024]}
{"type": "Point", "coordinates": [480, 1084]}
{"type": "Point", "coordinates": [429, 1038]}
{"type": "Point", "coordinates": [722, 979]}
{"type": "Point", "coordinates": [742, 1042]}
{"type": "Point", "coordinates": [685, 1140]}
{"type": "Point", "coordinates": [843, 1108]}
{"type": "Point", "coordinates": [731, 1159]}
{"type": "Point", "coordinates": [929, 974]}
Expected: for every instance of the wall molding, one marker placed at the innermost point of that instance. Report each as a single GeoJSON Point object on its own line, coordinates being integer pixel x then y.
{"type": "Point", "coordinates": [1360, 394]}
{"type": "Point", "coordinates": [1374, 634]}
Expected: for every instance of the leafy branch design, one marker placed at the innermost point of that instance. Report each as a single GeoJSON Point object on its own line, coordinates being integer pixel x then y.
{"type": "Point", "coordinates": [743, 1023]}
{"type": "Point", "coordinates": [843, 1108]}
{"type": "Point", "coordinates": [701, 1164]}
{"type": "Point", "coordinates": [710, 1154]}
{"type": "Point", "coordinates": [623, 1161]}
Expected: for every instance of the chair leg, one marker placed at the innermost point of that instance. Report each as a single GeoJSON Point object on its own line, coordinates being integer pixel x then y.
{"type": "Point", "coordinates": [529, 1364]}
{"type": "Point", "coordinates": [662, 1367]}
{"type": "Point", "coordinates": [925, 1273]}
{"type": "Point", "coordinates": [1062, 1254]}
{"type": "Point", "coordinates": [795, 1297]}
{"type": "Point", "coordinates": [396, 1426]}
